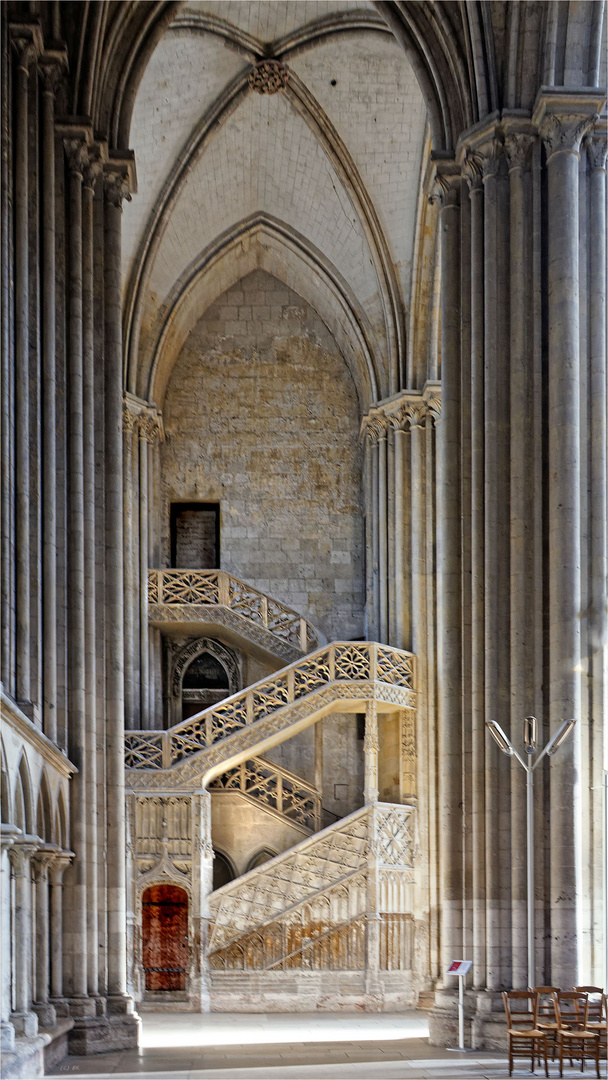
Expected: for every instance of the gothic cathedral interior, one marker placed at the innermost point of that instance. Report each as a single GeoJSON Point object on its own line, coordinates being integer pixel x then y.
{"type": "Point", "coordinates": [303, 485]}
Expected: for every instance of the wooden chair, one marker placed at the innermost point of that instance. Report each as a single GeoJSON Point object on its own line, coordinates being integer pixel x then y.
{"type": "Point", "coordinates": [525, 1038]}
{"type": "Point", "coordinates": [597, 1015]}
{"type": "Point", "coordinates": [545, 1015]}
{"type": "Point", "coordinates": [573, 1036]}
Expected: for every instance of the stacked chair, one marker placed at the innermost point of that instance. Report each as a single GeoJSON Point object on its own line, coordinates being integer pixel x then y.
{"type": "Point", "coordinates": [546, 1021]}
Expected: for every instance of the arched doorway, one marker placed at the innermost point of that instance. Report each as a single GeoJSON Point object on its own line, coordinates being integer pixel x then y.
{"type": "Point", "coordinates": [165, 937]}
{"type": "Point", "coordinates": [205, 682]}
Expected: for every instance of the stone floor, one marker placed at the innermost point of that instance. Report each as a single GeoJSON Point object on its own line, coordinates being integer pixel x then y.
{"type": "Point", "coordinates": [309, 1046]}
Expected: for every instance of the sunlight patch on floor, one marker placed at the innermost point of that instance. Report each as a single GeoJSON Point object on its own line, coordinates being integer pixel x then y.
{"type": "Point", "coordinates": [238, 1029]}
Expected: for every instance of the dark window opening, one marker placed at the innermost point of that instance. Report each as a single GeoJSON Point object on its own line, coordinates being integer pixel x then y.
{"type": "Point", "coordinates": [360, 725]}
{"type": "Point", "coordinates": [204, 683]}
{"type": "Point", "coordinates": [223, 872]}
{"type": "Point", "coordinates": [195, 536]}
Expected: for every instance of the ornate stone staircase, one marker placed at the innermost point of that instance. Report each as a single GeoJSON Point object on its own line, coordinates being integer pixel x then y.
{"type": "Point", "coordinates": [208, 599]}
{"type": "Point", "coordinates": [329, 921]}
{"type": "Point", "coordinates": [343, 676]}
{"type": "Point", "coordinates": [330, 918]}
{"type": "Point", "coordinates": [275, 789]}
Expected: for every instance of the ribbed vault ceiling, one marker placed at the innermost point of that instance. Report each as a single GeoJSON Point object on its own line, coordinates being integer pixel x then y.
{"type": "Point", "coordinates": [335, 158]}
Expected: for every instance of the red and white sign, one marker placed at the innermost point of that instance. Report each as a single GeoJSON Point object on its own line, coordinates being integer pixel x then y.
{"type": "Point", "coordinates": [459, 967]}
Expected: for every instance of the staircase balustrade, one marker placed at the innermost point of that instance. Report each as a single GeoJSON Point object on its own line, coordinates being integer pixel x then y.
{"type": "Point", "coordinates": [216, 588]}
{"type": "Point", "coordinates": [360, 670]}
{"type": "Point", "coordinates": [275, 787]}
{"type": "Point", "coordinates": [307, 907]}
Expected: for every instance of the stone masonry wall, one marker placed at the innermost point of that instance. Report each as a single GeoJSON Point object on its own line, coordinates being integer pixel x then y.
{"type": "Point", "coordinates": [261, 415]}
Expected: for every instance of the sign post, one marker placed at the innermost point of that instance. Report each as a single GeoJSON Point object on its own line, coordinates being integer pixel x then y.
{"type": "Point", "coordinates": [460, 968]}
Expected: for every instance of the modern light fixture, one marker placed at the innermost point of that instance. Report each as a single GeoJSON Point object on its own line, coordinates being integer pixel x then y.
{"type": "Point", "coordinates": [505, 744]}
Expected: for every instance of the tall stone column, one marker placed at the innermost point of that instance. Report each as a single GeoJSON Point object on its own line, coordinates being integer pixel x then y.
{"type": "Point", "coordinates": [496, 553]}
{"type": "Point", "coordinates": [75, 889]}
{"type": "Point", "coordinates": [146, 426]}
{"type": "Point", "coordinates": [130, 424]}
{"type": "Point", "coordinates": [473, 171]}
{"type": "Point", "coordinates": [400, 601]}
{"type": "Point", "coordinates": [369, 534]}
{"type": "Point", "coordinates": [51, 74]}
{"type": "Point", "coordinates": [373, 986]}
{"type": "Point", "coordinates": [24, 1021]}
{"type": "Point", "coordinates": [382, 515]}
{"type": "Point", "coordinates": [370, 754]}
{"type": "Point", "coordinates": [26, 54]}
{"type": "Point", "coordinates": [597, 617]}
{"type": "Point", "coordinates": [203, 877]}
{"type": "Point", "coordinates": [91, 173]}
{"type": "Point", "coordinates": [60, 862]}
{"type": "Point", "coordinates": [8, 835]}
{"type": "Point", "coordinates": [42, 1007]}
{"type": "Point", "coordinates": [116, 189]}
{"type": "Point", "coordinates": [518, 147]}
{"type": "Point", "coordinates": [563, 121]}
{"type": "Point", "coordinates": [449, 648]}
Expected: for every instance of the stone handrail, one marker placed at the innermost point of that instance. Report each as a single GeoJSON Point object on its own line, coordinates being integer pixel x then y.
{"type": "Point", "coordinates": [281, 698]}
{"type": "Point", "coordinates": [175, 588]}
{"type": "Point", "coordinates": [275, 787]}
{"type": "Point", "coordinates": [332, 864]}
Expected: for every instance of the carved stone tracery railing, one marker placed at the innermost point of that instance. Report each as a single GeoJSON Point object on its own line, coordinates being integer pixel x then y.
{"type": "Point", "coordinates": [173, 589]}
{"type": "Point", "coordinates": [342, 670]}
{"type": "Point", "coordinates": [275, 787]}
{"type": "Point", "coordinates": [306, 908]}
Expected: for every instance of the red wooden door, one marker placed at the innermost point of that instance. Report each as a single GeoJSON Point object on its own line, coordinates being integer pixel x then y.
{"type": "Point", "coordinates": [165, 937]}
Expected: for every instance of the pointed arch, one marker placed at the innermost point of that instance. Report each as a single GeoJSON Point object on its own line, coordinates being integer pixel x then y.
{"type": "Point", "coordinates": [61, 822]}
{"type": "Point", "coordinates": [262, 242]}
{"type": "Point", "coordinates": [5, 790]}
{"type": "Point", "coordinates": [44, 813]}
{"type": "Point", "coordinates": [23, 814]}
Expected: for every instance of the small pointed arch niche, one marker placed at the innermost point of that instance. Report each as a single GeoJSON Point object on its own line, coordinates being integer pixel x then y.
{"type": "Point", "coordinates": [204, 672]}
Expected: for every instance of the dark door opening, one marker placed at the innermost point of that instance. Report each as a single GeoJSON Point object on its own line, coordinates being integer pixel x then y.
{"type": "Point", "coordinates": [205, 682]}
{"type": "Point", "coordinates": [165, 937]}
{"type": "Point", "coordinates": [195, 536]}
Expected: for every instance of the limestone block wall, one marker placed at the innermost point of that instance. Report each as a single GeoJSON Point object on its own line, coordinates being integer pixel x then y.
{"type": "Point", "coordinates": [261, 415]}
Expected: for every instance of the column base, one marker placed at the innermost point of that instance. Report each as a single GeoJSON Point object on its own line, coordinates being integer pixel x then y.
{"type": "Point", "coordinates": [102, 1034]}
{"type": "Point", "coordinates": [62, 1009]}
{"type": "Point", "coordinates": [7, 1037]}
{"type": "Point", "coordinates": [488, 1021]}
{"type": "Point", "coordinates": [81, 1006]}
{"type": "Point", "coordinates": [443, 1019]}
{"type": "Point", "coordinates": [47, 1017]}
{"type": "Point", "coordinates": [25, 1024]}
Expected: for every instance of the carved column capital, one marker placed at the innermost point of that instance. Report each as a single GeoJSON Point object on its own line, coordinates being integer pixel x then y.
{"type": "Point", "coordinates": [493, 159]}
{"type": "Point", "coordinates": [415, 414]}
{"type": "Point", "coordinates": [52, 73]}
{"type": "Point", "coordinates": [42, 859]}
{"type": "Point", "coordinates": [60, 862]}
{"type": "Point", "coordinates": [117, 186]}
{"type": "Point", "coordinates": [26, 39]}
{"type": "Point", "coordinates": [472, 170]}
{"type": "Point", "coordinates": [434, 409]}
{"type": "Point", "coordinates": [446, 188]}
{"type": "Point", "coordinates": [596, 145]}
{"type": "Point", "coordinates": [130, 417]}
{"type": "Point", "coordinates": [92, 168]}
{"type": "Point", "coordinates": [20, 854]}
{"type": "Point", "coordinates": [150, 427]}
{"type": "Point", "coordinates": [518, 147]}
{"type": "Point", "coordinates": [374, 428]}
{"type": "Point", "coordinates": [77, 155]}
{"type": "Point", "coordinates": [565, 131]}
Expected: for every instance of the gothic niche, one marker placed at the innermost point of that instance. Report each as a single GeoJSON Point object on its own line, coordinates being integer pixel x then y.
{"type": "Point", "coordinates": [204, 672]}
